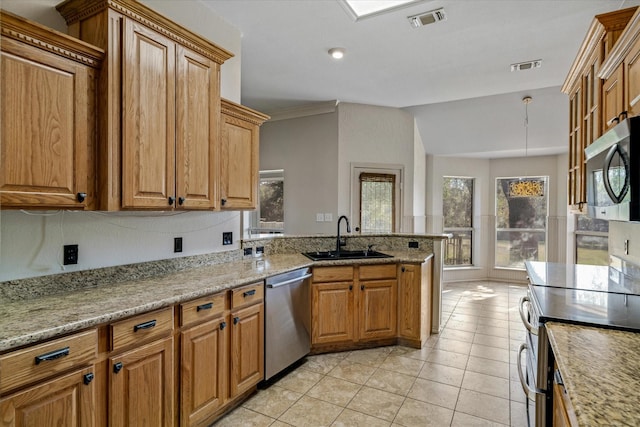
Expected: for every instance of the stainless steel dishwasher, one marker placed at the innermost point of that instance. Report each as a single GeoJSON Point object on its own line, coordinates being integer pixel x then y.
{"type": "Point", "coordinates": [287, 320]}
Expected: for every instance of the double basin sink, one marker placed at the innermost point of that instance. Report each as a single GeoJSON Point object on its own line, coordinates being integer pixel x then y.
{"type": "Point", "coordinates": [333, 255]}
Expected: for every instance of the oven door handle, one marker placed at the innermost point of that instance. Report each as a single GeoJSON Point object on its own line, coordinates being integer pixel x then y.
{"type": "Point", "coordinates": [530, 392]}
{"type": "Point", "coordinates": [527, 325]}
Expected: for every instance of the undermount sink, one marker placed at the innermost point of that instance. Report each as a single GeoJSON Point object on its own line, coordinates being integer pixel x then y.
{"type": "Point", "coordinates": [331, 255]}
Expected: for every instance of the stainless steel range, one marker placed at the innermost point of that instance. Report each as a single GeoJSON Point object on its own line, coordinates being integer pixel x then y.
{"type": "Point", "coordinates": [580, 294]}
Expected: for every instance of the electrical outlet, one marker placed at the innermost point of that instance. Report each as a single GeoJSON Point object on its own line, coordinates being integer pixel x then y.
{"type": "Point", "coordinates": [248, 251]}
{"type": "Point", "coordinates": [328, 217]}
{"type": "Point", "coordinates": [413, 244]}
{"type": "Point", "coordinates": [70, 254]}
{"type": "Point", "coordinates": [177, 244]}
{"type": "Point", "coordinates": [259, 250]}
{"type": "Point", "coordinates": [227, 238]}
{"type": "Point", "coordinates": [319, 217]}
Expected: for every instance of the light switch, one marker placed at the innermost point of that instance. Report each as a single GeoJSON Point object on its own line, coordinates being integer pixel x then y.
{"type": "Point", "coordinates": [328, 217]}
{"type": "Point", "coordinates": [319, 217]}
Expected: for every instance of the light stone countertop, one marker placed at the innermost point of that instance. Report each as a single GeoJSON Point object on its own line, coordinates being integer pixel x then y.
{"type": "Point", "coordinates": [35, 319]}
{"type": "Point", "coordinates": [600, 370]}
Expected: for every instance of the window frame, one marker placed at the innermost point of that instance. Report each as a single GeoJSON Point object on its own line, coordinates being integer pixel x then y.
{"type": "Point", "coordinates": [385, 177]}
{"type": "Point", "coordinates": [470, 229]}
{"type": "Point", "coordinates": [266, 176]}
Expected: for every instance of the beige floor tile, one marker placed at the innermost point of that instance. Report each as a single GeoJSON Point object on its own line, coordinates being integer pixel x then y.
{"type": "Point", "coordinates": [334, 390]}
{"type": "Point", "coordinates": [488, 366]}
{"type": "Point", "coordinates": [432, 392]}
{"type": "Point", "coordinates": [488, 384]}
{"type": "Point", "coordinates": [493, 323]}
{"type": "Point", "coordinates": [491, 341]}
{"type": "Point", "coordinates": [461, 419]}
{"type": "Point", "coordinates": [278, 423]}
{"type": "Point", "coordinates": [350, 371]}
{"type": "Point", "coordinates": [518, 414]}
{"type": "Point", "coordinates": [447, 358]}
{"type": "Point", "coordinates": [413, 353]}
{"type": "Point", "coordinates": [516, 393]}
{"type": "Point", "coordinates": [461, 325]}
{"type": "Point", "coordinates": [371, 357]}
{"type": "Point", "coordinates": [393, 382]}
{"type": "Point", "coordinates": [454, 334]}
{"type": "Point", "coordinates": [495, 331]}
{"type": "Point", "coordinates": [350, 418]}
{"type": "Point", "coordinates": [310, 412]}
{"type": "Point", "coordinates": [442, 374]}
{"type": "Point", "coordinates": [321, 363]}
{"type": "Point", "coordinates": [403, 365]}
{"type": "Point", "coordinates": [454, 346]}
{"type": "Point", "coordinates": [415, 413]}
{"type": "Point", "coordinates": [273, 401]}
{"type": "Point", "coordinates": [377, 403]}
{"type": "Point", "coordinates": [300, 380]}
{"type": "Point", "coordinates": [488, 352]}
{"type": "Point", "coordinates": [483, 405]}
{"type": "Point", "coordinates": [245, 418]}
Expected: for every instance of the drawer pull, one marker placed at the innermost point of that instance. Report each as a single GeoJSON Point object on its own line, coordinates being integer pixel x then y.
{"type": "Point", "coordinates": [117, 367]}
{"type": "Point", "coordinates": [362, 287]}
{"type": "Point", "coordinates": [207, 306]}
{"type": "Point", "coordinates": [236, 320]}
{"type": "Point", "coordinates": [223, 325]}
{"type": "Point", "coordinates": [57, 354]}
{"type": "Point", "coordinates": [146, 325]}
{"type": "Point", "coordinates": [249, 293]}
{"type": "Point", "coordinates": [87, 378]}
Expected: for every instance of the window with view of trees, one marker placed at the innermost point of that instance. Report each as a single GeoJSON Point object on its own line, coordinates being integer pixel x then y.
{"type": "Point", "coordinates": [377, 202]}
{"type": "Point", "coordinates": [592, 240]}
{"type": "Point", "coordinates": [457, 213]}
{"type": "Point", "coordinates": [269, 216]}
{"type": "Point", "coordinates": [521, 221]}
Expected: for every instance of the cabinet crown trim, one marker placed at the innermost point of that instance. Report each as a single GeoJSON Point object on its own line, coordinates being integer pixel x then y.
{"type": "Point", "coordinates": [76, 10]}
{"type": "Point", "coordinates": [241, 112]}
{"type": "Point", "coordinates": [37, 35]}
{"type": "Point", "coordinates": [622, 46]}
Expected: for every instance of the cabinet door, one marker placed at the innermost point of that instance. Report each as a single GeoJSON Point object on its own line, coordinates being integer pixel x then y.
{"type": "Point", "coordinates": [141, 386]}
{"type": "Point", "coordinates": [239, 168]}
{"type": "Point", "coordinates": [612, 99]}
{"type": "Point", "coordinates": [409, 302]}
{"type": "Point", "coordinates": [204, 371]}
{"type": "Point", "coordinates": [377, 309]}
{"type": "Point", "coordinates": [68, 400]}
{"type": "Point", "coordinates": [632, 80]}
{"type": "Point", "coordinates": [332, 312]}
{"type": "Point", "coordinates": [197, 130]}
{"type": "Point", "coordinates": [46, 120]}
{"type": "Point", "coordinates": [575, 147]}
{"type": "Point", "coordinates": [148, 118]}
{"type": "Point", "coordinates": [247, 348]}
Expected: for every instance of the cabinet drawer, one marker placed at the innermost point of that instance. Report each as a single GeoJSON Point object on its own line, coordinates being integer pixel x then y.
{"type": "Point", "coordinates": [201, 309]}
{"type": "Point", "coordinates": [247, 295]}
{"type": "Point", "coordinates": [333, 274]}
{"type": "Point", "coordinates": [382, 271]}
{"type": "Point", "coordinates": [142, 328]}
{"type": "Point", "coordinates": [34, 363]}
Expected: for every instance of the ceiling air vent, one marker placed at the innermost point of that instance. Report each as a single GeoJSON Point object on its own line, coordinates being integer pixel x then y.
{"type": "Point", "coordinates": [528, 65]}
{"type": "Point", "coordinates": [427, 18]}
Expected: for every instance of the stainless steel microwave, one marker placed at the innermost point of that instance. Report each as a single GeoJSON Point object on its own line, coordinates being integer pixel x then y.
{"type": "Point", "coordinates": [613, 173]}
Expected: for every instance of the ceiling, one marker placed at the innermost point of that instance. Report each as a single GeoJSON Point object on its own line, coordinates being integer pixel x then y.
{"type": "Point", "coordinates": [388, 63]}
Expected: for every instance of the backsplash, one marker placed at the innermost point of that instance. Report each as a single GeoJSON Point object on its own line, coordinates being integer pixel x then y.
{"type": "Point", "coordinates": [618, 233]}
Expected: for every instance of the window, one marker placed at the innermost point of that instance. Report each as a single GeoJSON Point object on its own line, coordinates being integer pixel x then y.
{"type": "Point", "coordinates": [269, 217]}
{"type": "Point", "coordinates": [377, 202]}
{"type": "Point", "coordinates": [592, 241]}
{"type": "Point", "coordinates": [521, 221]}
{"type": "Point", "coordinates": [457, 213]}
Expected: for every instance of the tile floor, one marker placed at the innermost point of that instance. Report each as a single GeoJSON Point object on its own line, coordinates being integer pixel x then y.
{"type": "Point", "coordinates": [465, 376]}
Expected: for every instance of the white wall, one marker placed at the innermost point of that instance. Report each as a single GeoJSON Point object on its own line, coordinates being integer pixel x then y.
{"type": "Point", "coordinates": [31, 244]}
{"type": "Point", "coordinates": [375, 135]}
{"type": "Point", "coordinates": [418, 217]}
{"type": "Point", "coordinates": [307, 149]}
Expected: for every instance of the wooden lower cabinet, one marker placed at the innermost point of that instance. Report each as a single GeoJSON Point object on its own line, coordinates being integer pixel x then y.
{"type": "Point", "coordinates": [204, 371]}
{"type": "Point", "coordinates": [332, 311]}
{"type": "Point", "coordinates": [247, 348]}
{"type": "Point", "coordinates": [141, 386]}
{"type": "Point", "coordinates": [377, 311]}
{"type": "Point", "coordinates": [68, 400]}
{"type": "Point", "coordinates": [414, 303]}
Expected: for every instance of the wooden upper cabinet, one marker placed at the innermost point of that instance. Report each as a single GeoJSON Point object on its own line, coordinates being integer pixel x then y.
{"type": "Point", "coordinates": [239, 156]}
{"type": "Point", "coordinates": [47, 123]}
{"type": "Point", "coordinates": [591, 102]}
{"type": "Point", "coordinates": [159, 102]}
{"type": "Point", "coordinates": [612, 99]}
{"type": "Point", "coordinates": [631, 66]}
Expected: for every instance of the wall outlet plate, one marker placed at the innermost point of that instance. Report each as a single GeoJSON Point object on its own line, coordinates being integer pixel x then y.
{"type": "Point", "coordinates": [259, 250]}
{"type": "Point", "coordinates": [70, 254]}
{"type": "Point", "coordinates": [177, 244]}
{"type": "Point", "coordinates": [413, 245]}
{"type": "Point", "coordinates": [227, 238]}
{"type": "Point", "coordinates": [319, 217]}
{"type": "Point", "coordinates": [328, 217]}
{"type": "Point", "coordinates": [248, 251]}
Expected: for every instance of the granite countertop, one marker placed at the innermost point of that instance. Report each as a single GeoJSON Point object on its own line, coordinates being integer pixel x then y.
{"type": "Point", "coordinates": [599, 368]}
{"type": "Point", "coordinates": [31, 320]}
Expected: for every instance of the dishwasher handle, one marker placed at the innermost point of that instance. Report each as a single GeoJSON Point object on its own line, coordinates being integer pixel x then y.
{"type": "Point", "coordinates": [288, 282]}
{"type": "Point", "coordinates": [526, 322]}
{"type": "Point", "coordinates": [528, 390]}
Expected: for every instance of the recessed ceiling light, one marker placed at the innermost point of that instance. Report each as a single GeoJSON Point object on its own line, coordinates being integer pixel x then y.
{"type": "Point", "coordinates": [337, 52]}
{"type": "Point", "coordinates": [359, 9]}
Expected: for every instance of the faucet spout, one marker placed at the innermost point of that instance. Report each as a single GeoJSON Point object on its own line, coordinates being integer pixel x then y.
{"type": "Point", "coordinates": [338, 241]}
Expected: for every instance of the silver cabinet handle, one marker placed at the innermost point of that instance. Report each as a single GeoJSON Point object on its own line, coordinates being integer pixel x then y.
{"type": "Point", "coordinates": [530, 392]}
{"type": "Point", "coordinates": [527, 325]}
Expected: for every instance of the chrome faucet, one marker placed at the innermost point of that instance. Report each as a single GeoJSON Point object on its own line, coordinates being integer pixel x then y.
{"type": "Point", "coordinates": [338, 242]}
